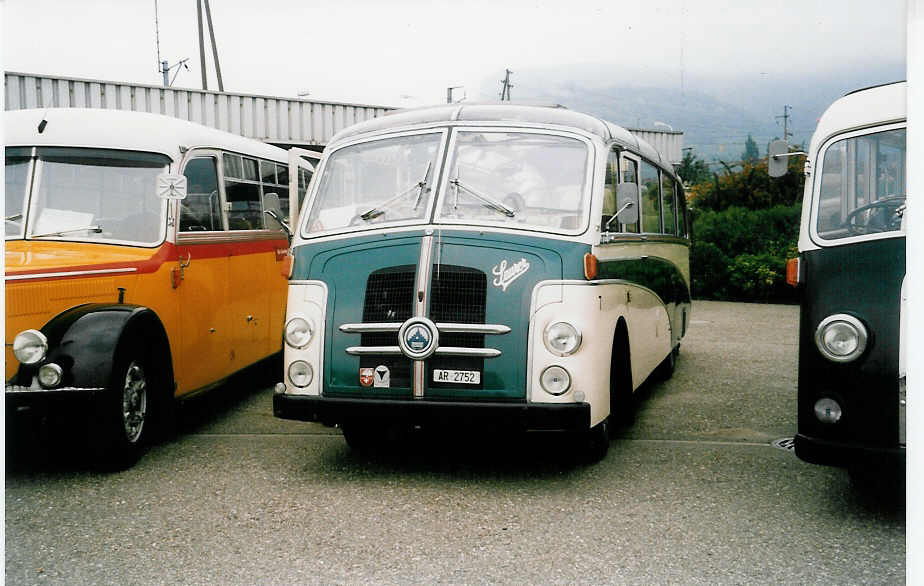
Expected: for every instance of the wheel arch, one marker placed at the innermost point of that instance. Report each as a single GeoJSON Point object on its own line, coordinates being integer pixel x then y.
{"type": "Point", "coordinates": [86, 340]}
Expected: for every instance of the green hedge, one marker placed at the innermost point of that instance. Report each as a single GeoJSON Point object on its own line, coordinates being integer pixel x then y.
{"type": "Point", "coordinates": [740, 254]}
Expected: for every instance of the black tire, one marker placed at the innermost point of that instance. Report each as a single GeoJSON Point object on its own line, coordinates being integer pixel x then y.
{"type": "Point", "coordinates": [595, 442]}
{"type": "Point", "coordinates": [666, 369]}
{"type": "Point", "coordinates": [362, 436]}
{"type": "Point", "coordinates": [622, 401]}
{"type": "Point", "coordinates": [879, 481]}
{"type": "Point", "coordinates": [125, 422]}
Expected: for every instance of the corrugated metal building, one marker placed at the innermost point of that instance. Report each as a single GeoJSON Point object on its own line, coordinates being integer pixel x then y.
{"type": "Point", "coordinates": [668, 143]}
{"type": "Point", "coordinates": [276, 120]}
{"type": "Point", "coordinates": [283, 121]}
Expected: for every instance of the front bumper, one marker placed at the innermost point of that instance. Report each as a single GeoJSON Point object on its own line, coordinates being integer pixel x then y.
{"type": "Point", "coordinates": [829, 453]}
{"type": "Point", "coordinates": [510, 415]}
{"type": "Point", "coordinates": [21, 398]}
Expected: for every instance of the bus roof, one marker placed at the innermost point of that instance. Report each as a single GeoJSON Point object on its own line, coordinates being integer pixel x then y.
{"type": "Point", "coordinates": [124, 130]}
{"type": "Point", "coordinates": [872, 106]}
{"type": "Point", "coordinates": [513, 113]}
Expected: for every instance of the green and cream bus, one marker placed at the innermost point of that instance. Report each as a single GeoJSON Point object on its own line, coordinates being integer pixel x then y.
{"type": "Point", "coordinates": [522, 266]}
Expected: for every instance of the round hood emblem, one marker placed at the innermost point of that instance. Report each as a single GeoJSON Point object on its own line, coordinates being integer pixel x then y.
{"type": "Point", "coordinates": [418, 338]}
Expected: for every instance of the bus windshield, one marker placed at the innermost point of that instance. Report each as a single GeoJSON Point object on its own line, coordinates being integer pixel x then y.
{"type": "Point", "coordinates": [862, 185]}
{"type": "Point", "coordinates": [517, 179]}
{"type": "Point", "coordinates": [97, 195]}
{"type": "Point", "coordinates": [385, 181]}
{"type": "Point", "coordinates": [17, 170]}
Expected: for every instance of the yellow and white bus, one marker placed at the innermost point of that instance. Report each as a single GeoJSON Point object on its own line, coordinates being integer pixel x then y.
{"type": "Point", "coordinates": [140, 265]}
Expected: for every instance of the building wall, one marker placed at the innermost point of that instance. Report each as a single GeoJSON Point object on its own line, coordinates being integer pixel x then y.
{"type": "Point", "coordinates": [668, 143]}
{"type": "Point", "coordinates": [272, 119]}
{"type": "Point", "coordinates": [280, 121]}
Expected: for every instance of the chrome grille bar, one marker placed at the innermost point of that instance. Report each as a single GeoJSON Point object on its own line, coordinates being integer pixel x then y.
{"type": "Point", "coordinates": [370, 328]}
{"type": "Point", "coordinates": [442, 327]}
{"type": "Point", "coordinates": [381, 350]}
{"type": "Point", "coordinates": [477, 352]}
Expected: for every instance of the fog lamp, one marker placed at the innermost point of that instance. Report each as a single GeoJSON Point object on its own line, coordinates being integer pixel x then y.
{"type": "Point", "coordinates": [50, 375]}
{"type": "Point", "coordinates": [555, 380]}
{"type": "Point", "coordinates": [298, 332]}
{"type": "Point", "coordinates": [841, 337]}
{"type": "Point", "coordinates": [300, 373]}
{"type": "Point", "coordinates": [30, 346]}
{"type": "Point", "coordinates": [828, 410]}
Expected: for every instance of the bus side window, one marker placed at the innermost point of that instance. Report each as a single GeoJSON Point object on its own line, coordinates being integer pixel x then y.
{"type": "Point", "coordinates": [242, 192]}
{"type": "Point", "coordinates": [669, 205]}
{"type": "Point", "coordinates": [681, 212]}
{"type": "Point", "coordinates": [629, 175]}
{"type": "Point", "coordinates": [275, 179]}
{"type": "Point", "coordinates": [201, 210]}
{"type": "Point", "coordinates": [651, 199]}
{"type": "Point", "coordinates": [609, 192]}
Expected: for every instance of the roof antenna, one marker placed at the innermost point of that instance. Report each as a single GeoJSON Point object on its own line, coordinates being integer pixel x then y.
{"type": "Point", "coordinates": [43, 123]}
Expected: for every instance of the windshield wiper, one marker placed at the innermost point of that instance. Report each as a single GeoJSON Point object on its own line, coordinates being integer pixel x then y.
{"type": "Point", "coordinates": [420, 186]}
{"type": "Point", "coordinates": [12, 218]}
{"type": "Point", "coordinates": [488, 202]}
{"type": "Point", "coordinates": [95, 229]}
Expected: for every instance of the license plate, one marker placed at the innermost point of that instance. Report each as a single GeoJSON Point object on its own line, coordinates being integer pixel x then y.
{"type": "Point", "coordinates": [465, 377]}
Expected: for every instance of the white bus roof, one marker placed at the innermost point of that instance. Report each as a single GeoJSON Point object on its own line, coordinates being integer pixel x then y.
{"type": "Point", "coordinates": [516, 114]}
{"type": "Point", "coordinates": [124, 130]}
{"type": "Point", "coordinates": [862, 108]}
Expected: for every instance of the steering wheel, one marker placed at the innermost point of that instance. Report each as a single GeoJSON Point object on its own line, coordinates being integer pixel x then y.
{"type": "Point", "coordinates": [885, 220]}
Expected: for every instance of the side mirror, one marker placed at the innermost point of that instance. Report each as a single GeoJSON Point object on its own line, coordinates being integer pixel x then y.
{"type": "Point", "coordinates": [627, 203]}
{"type": "Point", "coordinates": [272, 209]}
{"type": "Point", "coordinates": [777, 165]}
{"type": "Point", "coordinates": [171, 186]}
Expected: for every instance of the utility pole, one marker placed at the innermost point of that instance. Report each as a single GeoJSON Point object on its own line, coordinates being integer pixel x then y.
{"type": "Point", "coordinates": [785, 117]}
{"type": "Point", "coordinates": [208, 17]}
{"type": "Point", "coordinates": [163, 66]}
{"type": "Point", "coordinates": [449, 93]}
{"type": "Point", "coordinates": [205, 79]}
{"type": "Point", "coordinates": [505, 88]}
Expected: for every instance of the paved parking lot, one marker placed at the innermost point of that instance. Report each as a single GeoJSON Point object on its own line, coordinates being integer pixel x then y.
{"type": "Point", "coordinates": [692, 493]}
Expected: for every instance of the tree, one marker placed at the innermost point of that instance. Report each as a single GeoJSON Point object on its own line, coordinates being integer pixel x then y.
{"type": "Point", "coordinates": [692, 169]}
{"type": "Point", "coordinates": [751, 153]}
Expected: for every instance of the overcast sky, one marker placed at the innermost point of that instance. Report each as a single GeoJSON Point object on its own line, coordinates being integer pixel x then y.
{"type": "Point", "coordinates": [409, 52]}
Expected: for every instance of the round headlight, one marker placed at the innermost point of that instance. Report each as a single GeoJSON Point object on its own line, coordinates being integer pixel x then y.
{"type": "Point", "coordinates": [828, 410]}
{"type": "Point", "coordinates": [300, 373]}
{"type": "Point", "coordinates": [30, 346]}
{"type": "Point", "coordinates": [298, 332]}
{"type": "Point", "coordinates": [555, 380]}
{"type": "Point", "coordinates": [841, 337]}
{"type": "Point", "coordinates": [50, 375]}
{"type": "Point", "coordinates": [562, 338]}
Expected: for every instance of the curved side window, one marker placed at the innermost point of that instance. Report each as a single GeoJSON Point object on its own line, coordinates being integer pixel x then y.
{"type": "Point", "coordinates": [201, 210]}
{"type": "Point", "coordinates": [651, 199]}
{"type": "Point", "coordinates": [862, 185]}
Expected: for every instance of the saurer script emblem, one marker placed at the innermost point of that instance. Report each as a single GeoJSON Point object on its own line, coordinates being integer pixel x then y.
{"type": "Point", "coordinates": [504, 275]}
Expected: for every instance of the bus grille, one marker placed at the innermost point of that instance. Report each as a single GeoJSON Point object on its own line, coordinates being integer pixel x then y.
{"type": "Point", "coordinates": [389, 298]}
{"type": "Point", "coordinates": [458, 296]}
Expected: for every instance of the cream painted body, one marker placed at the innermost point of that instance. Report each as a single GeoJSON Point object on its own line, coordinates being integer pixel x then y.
{"type": "Point", "coordinates": [595, 307]}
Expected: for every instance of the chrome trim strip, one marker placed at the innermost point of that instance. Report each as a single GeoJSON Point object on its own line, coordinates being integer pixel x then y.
{"type": "Point", "coordinates": [365, 350]}
{"type": "Point", "coordinates": [421, 293]}
{"type": "Point", "coordinates": [369, 328]}
{"type": "Point", "coordinates": [229, 237]}
{"type": "Point", "coordinates": [458, 351]}
{"type": "Point", "coordinates": [452, 328]}
{"type": "Point", "coordinates": [19, 389]}
{"type": "Point", "coordinates": [441, 351]}
{"type": "Point", "coordinates": [902, 409]}
{"type": "Point", "coordinates": [70, 274]}
{"type": "Point", "coordinates": [472, 328]}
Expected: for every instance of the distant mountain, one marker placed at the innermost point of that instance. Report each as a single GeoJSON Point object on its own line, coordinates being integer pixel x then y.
{"type": "Point", "coordinates": [715, 114]}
